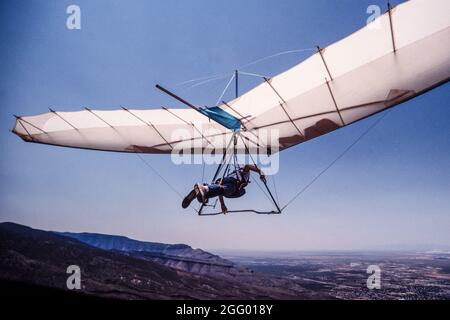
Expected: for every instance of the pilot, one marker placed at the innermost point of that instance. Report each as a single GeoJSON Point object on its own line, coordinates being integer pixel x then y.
{"type": "Point", "coordinates": [231, 186]}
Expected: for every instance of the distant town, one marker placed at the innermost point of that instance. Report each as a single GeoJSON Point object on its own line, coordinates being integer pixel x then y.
{"type": "Point", "coordinates": [404, 275]}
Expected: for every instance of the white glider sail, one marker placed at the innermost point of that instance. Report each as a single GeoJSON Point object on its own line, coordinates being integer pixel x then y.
{"type": "Point", "coordinates": [400, 55]}
{"type": "Point", "coordinates": [125, 130]}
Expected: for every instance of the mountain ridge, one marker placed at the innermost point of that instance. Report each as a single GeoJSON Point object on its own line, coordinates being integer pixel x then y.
{"type": "Point", "coordinates": [178, 256]}
{"type": "Point", "coordinates": [118, 242]}
{"type": "Point", "coordinates": [41, 258]}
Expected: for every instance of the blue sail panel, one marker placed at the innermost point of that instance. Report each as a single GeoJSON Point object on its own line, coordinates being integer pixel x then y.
{"type": "Point", "coordinates": [221, 116]}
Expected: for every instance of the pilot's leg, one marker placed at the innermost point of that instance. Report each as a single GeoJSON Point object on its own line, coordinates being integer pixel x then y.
{"type": "Point", "coordinates": [188, 199]}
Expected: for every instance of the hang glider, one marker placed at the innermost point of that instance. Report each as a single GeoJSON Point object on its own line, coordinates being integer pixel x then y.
{"type": "Point", "coordinates": [400, 55]}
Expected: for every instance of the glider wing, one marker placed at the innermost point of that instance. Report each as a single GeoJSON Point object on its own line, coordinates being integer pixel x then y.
{"type": "Point", "coordinates": [400, 55]}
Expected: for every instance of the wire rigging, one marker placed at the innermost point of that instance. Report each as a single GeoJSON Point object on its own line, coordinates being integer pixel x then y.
{"type": "Point", "coordinates": [159, 175]}
{"type": "Point", "coordinates": [275, 55]}
{"type": "Point", "coordinates": [332, 163]}
{"type": "Point", "coordinates": [270, 196]}
{"type": "Point", "coordinates": [275, 188]}
{"type": "Point", "coordinates": [206, 79]}
{"type": "Point", "coordinates": [253, 74]}
{"type": "Point", "coordinates": [226, 88]}
{"type": "Point", "coordinates": [201, 79]}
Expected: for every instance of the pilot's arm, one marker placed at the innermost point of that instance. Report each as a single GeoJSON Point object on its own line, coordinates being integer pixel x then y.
{"type": "Point", "coordinates": [222, 205]}
{"type": "Point", "coordinates": [252, 167]}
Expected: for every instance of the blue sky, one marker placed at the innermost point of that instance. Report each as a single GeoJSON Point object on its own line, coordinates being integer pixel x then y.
{"type": "Point", "coordinates": [391, 189]}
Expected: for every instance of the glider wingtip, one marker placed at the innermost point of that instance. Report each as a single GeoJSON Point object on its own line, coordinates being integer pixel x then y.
{"type": "Point", "coordinates": [21, 136]}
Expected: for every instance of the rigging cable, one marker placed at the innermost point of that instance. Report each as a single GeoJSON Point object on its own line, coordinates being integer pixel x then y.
{"type": "Point", "coordinates": [159, 175]}
{"type": "Point", "coordinates": [270, 196]}
{"type": "Point", "coordinates": [206, 79]}
{"type": "Point", "coordinates": [226, 88]}
{"type": "Point", "coordinates": [359, 138]}
{"type": "Point", "coordinates": [253, 74]}
{"type": "Point", "coordinates": [275, 55]}
{"type": "Point", "coordinates": [201, 79]}
{"type": "Point", "coordinates": [275, 188]}
{"type": "Point", "coordinates": [255, 180]}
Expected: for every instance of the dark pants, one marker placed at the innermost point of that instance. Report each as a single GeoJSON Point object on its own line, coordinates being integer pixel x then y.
{"type": "Point", "coordinates": [227, 188]}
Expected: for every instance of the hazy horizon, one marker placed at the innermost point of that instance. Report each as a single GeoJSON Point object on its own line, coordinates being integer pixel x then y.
{"type": "Point", "coordinates": [258, 252]}
{"type": "Point", "coordinates": [391, 188]}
